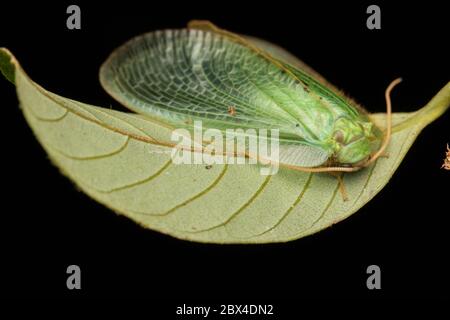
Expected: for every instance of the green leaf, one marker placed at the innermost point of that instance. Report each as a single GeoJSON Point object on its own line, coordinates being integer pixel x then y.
{"type": "Point", "coordinates": [6, 65]}
{"type": "Point", "coordinates": [123, 161]}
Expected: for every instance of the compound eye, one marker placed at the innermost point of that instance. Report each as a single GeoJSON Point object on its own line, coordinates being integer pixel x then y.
{"type": "Point", "coordinates": [339, 137]}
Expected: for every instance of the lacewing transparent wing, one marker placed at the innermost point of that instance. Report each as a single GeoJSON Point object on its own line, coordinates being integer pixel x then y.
{"type": "Point", "coordinates": [179, 76]}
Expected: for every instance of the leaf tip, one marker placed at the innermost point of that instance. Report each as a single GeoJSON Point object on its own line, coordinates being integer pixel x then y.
{"type": "Point", "coordinates": [8, 64]}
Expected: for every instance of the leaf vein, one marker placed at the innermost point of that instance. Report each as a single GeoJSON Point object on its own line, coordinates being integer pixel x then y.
{"type": "Point", "coordinates": [59, 118]}
{"type": "Point", "coordinates": [96, 157]}
{"type": "Point", "coordinates": [288, 211]}
{"type": "Point", "coordinates": [184, 203]}
{"type": "Point", "coordinates": [237, 212]}
{"type": "Point", "coordinates": [326, 208]}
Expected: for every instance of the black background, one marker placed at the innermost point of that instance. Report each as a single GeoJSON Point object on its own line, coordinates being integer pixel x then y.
{"type": "Point", "coordinates": [47, 224]}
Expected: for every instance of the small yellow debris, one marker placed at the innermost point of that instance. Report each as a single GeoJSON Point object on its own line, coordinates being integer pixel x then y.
{"type": "Point", "coordinates": [446, 164]}
{"type": "Point", "coordinates": [232, 110]}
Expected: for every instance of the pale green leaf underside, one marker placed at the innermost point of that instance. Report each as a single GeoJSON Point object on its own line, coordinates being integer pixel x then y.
{"type": "Point", "coordinates": [119, 159]}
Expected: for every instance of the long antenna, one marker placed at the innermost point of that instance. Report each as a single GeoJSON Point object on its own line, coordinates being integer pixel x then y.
{"type": "Point", "coordinates": [388, 134]}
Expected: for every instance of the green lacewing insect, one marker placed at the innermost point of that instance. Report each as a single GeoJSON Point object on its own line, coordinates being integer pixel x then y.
{"type": "Point", "coordinates": [231, 81]}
